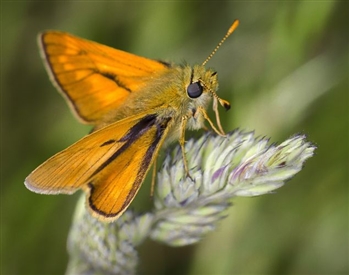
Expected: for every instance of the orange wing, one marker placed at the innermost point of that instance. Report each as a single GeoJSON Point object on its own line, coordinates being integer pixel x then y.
{"type": "Point", "coordinates": [109, 164]}
{"type": "Point", "coordinates": [94, 78]}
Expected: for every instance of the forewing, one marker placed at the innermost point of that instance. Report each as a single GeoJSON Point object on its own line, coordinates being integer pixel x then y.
{"type": "Point", "coordinates": [109, 164]}
{"type": "Point", "coordinates": [93, 77]}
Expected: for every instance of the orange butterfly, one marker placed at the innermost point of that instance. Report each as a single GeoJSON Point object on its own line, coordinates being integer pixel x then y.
{"type": "Point", "coordinates": [135, 105]}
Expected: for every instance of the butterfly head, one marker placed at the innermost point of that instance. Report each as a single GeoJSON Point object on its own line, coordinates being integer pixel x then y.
{"type": "Point", "coordinates": [200, 90]}
{"type": "Point", "coordinates": [204, 84]}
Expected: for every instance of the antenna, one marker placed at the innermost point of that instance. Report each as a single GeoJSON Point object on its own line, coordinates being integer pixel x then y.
{"type": "Point", "coordinates": [229, 32]}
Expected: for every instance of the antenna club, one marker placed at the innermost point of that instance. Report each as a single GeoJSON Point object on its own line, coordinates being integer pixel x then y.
{"type": "Point", "coordinates": [233, 27]}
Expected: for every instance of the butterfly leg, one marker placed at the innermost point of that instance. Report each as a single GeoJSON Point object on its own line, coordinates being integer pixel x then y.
{"type": "Point", "coordinates": [153, 179]}
{"type": "Point", "coordinates": [181, 143]}
{"type": "Point", "coordinates": [215, 109]}
{"type": "Point", "coordinates": [219, 132]}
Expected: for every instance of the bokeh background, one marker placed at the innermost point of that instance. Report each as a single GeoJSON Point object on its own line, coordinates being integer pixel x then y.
{"type": "Point", "coordinates": [285, 71]}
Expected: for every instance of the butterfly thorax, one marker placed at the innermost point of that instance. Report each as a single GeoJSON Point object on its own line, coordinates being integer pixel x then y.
{"type": "Point", "coordinates": [166, 95]}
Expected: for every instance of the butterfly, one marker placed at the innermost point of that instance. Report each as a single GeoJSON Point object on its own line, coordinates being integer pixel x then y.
{"type": "Point", "coordinates": [136, 105]}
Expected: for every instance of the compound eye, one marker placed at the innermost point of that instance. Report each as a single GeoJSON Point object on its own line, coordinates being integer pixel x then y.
{"type": "Point", "coordinates": [194, 90]}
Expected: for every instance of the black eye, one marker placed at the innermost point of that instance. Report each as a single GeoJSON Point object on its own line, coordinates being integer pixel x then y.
{"type": "Point", "coordinates": [194, 90]}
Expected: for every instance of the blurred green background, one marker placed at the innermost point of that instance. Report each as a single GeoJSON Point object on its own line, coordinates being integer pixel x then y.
{"type": "Point", "coordinates": [285, 71]}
